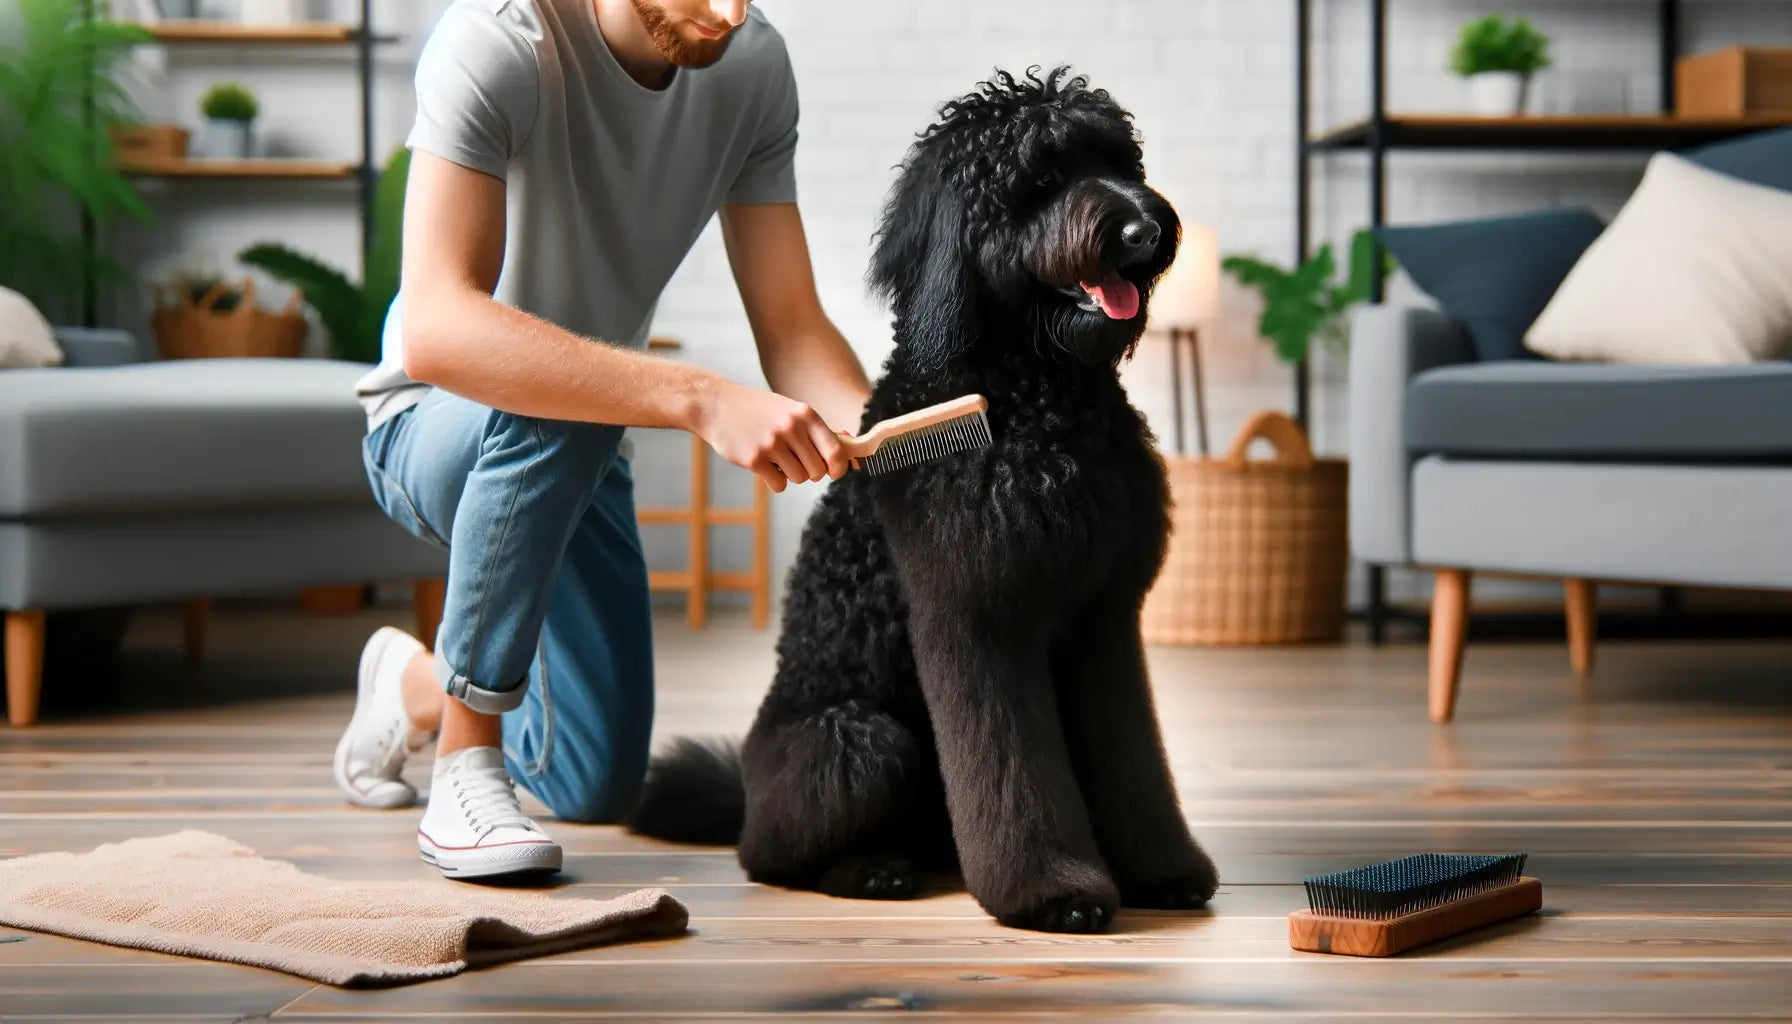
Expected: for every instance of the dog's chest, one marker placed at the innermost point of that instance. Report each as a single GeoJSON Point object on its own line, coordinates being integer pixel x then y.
{"type": "Point", "coordinates": [1069, 492]}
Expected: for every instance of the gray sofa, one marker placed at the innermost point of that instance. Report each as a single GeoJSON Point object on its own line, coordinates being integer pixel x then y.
{"type": "Point", "coordinates": [1583, 473]}
{"type": "Point", "coordinates": [129, 481]}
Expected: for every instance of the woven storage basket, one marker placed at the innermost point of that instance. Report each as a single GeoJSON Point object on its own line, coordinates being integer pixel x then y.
{"type": "Point", "coordinates": [185, 329]}
{"type": "Point", "coordinates": [1259, 549]}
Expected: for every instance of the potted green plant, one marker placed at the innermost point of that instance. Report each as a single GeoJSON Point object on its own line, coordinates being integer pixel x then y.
{"type": "Point", "coordinates": [354, 314]}
{"type": "Point", "coordinates": [54, 161]}
{"type": "Point", "coordinates": [1498, 56]}
{"type": "Point", "coordinates": [230, 111]}
{"type": "Point", "coordinates": [1307, 303]}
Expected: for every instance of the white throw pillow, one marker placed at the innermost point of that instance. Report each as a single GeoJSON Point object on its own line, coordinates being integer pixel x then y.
{"type": "Point", "coordinates": [25, 338]}
{"type": "Point", "coordinates": [1695, 269]}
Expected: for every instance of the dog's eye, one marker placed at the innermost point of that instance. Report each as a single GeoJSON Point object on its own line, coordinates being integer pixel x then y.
{"type": "Point", "coordinates": [1046, 180]}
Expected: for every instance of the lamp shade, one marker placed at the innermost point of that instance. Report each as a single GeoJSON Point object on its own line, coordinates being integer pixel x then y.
{"type": "Point", "coordinates": [1190, 290]}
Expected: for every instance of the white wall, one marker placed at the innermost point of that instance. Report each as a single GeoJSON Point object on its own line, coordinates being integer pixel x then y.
{"type": "Point", "coordinates": [1211, 83]}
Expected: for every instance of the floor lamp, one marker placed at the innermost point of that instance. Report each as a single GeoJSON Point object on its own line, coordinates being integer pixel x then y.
{"type": "Point", "coordinates": [1188, 294]}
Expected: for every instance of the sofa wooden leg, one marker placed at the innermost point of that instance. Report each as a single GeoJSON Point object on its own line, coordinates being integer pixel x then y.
{"type": "Point", "coordinates": [24, 666]}
{"type": "Point", "coordinates": [1449, 629]}
{"type": "Point", "coordinates": [427, 597]}
{"type": "Point", "coordinates": [1582, 610]}
{"type": "Point", "coordinates": [199, 615]}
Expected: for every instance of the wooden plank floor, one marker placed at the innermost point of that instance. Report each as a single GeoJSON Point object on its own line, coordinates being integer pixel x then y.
{"type": "Point", "coordinates": [1655, 801]}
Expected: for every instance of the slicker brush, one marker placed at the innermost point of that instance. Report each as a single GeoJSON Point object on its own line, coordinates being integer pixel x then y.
{"type": "Point", "coordinates": [1388, 908]}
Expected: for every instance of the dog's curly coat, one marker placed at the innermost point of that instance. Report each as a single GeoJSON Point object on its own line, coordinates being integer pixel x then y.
{"type": "Point", "coordinates": [960, 676]}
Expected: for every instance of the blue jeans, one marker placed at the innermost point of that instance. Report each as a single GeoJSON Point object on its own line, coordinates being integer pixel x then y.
{"type": "Point", "coordinates": [547, 620]}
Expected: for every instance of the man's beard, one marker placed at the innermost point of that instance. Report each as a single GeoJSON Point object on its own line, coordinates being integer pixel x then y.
{"type": "Point", "coordinates": [675, 48]}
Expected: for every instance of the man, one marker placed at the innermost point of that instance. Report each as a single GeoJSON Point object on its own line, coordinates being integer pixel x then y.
{"type": "Point", "coordinates": [567, 153]}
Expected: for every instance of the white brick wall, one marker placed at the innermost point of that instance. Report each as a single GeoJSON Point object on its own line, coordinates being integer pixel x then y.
{"type": "Point", "coordinates": [1211, 83]}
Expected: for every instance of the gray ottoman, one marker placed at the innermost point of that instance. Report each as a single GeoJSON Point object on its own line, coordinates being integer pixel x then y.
{"type": "Point", "coordinates": [183, 480]}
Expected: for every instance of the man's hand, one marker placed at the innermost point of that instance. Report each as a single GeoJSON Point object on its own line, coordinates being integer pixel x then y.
{"type": "Point", "coordinates": [782, 440]}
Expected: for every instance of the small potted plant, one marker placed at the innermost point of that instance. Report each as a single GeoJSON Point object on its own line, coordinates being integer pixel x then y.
{"type": "Point", "coordinates": [230, 111]}
{"type": "Point", "coordinates": [1498, 57]}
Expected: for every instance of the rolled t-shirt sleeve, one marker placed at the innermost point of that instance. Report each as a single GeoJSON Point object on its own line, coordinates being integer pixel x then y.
{"type": "Point", "coordinates": [769, 173]}
{"type": "Point", "coordinates": [477, 90]}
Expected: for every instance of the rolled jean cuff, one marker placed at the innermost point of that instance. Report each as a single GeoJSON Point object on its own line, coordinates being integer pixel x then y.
{"type": "Point", "coordinates": [484, 701]}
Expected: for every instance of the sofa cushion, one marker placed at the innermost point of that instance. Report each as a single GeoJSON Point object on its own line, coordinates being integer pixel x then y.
{"type": "Point", "coordinates": [1692, 270]}
{"type": "Point", "coordinates": [26, 339]}
{"type": "Point", "coordinates": [1594, 411]}
{"type": "Point", "coordinates": [180, 435]}
{"type": "Point", "coordinates": [1763, 158]}
{"type": "Point", "coordinates": [1494, 274]}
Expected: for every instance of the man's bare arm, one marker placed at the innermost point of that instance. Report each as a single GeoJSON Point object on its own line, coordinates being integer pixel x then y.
{"type": "Point", "coordinates": [461, 339]}
{"type": "Point", "coordinates": [803, 354]}
{"type": "Point", "coordinates": [457, 337]}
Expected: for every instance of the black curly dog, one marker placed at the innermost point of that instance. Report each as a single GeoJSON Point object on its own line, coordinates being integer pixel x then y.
{"type": "Point", "coordinates": [961, 679]}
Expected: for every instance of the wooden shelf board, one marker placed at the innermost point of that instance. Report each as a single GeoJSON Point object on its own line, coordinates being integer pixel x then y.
{"type": "Point", "coordinates": [264, 168]}
{"type": "Point", "coordinates": [1565, 132]}
{"type": "Point", "coordinates": [270, 35]}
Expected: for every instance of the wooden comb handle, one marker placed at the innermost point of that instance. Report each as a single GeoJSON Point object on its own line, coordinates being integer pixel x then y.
{"type": "Point", "coordinates": [870, 441]}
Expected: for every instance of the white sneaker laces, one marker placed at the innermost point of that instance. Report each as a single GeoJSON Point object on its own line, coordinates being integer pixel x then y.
{"type": "Point", "coordinates": [489, 802]}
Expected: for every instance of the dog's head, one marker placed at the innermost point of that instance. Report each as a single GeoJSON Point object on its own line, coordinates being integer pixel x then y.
{"type": "Point", "coordinates": [1026, 203]}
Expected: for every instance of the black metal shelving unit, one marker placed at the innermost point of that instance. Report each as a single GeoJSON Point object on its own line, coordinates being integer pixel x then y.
{"type": "Point", "coordinates": [364, 173]}
{"type": "Point", "coordinates": [1382, 132]}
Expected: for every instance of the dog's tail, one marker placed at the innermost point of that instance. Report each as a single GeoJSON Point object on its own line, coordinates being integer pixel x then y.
{"type": "Point", "coordinates": [694, 793]}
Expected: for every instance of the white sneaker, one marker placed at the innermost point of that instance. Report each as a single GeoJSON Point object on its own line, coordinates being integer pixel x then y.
{"type": "Point", "coordinates": [474, 826]}
{"type": "Point", "coordinates": [371, 754]}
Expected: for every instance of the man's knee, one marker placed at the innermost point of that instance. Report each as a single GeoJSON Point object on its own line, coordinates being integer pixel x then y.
{"type": "Point", "coordinates": [586, 768]}
{"type": "Point", "coordinates": [598, 797]}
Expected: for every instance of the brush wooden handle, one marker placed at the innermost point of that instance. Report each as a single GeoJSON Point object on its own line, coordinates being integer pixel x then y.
{"type": "Point", "coordinates": [870, 441]}
{"type": "Point", "coordinates": [1356, 936]}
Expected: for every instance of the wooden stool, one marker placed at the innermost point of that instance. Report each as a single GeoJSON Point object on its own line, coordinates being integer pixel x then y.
{"type": "Point", "coordinates": [697, 581]}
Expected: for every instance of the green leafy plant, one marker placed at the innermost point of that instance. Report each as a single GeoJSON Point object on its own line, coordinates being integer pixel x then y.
{"type": "Point", "coordinates": [1496, 43]}
{"type": "Point", "coordinates": [354, 314]}
{"type": "Point", "coordinates": [57, 162]}
{"type": "Point", "coordinates": [228, 101]}
{"type": "Point", "coordinates": [1305, 303]}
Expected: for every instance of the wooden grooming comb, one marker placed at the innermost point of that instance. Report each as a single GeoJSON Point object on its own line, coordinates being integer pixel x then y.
{"type": "Point", "coordinates": [903, 441]}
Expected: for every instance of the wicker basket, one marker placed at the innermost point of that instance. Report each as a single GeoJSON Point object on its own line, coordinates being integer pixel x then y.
{"type": "Point", "coordinates": [186, 329]}
{"type": "Point", "coordinates": [1259, 549]}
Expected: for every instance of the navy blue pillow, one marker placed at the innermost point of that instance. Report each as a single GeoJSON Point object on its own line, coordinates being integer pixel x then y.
{"type": "Point", "coordinates": [1761, 158]}
{"type": "Point", "coordinates": [1494, 274]}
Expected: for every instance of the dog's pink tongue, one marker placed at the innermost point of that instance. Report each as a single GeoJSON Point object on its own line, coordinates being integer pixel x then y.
{"type": "Point", "coordinates": [1118, 297]}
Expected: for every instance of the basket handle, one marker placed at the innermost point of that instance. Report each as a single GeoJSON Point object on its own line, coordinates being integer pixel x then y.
{"type": "Point", "coordinates": [1279, 430]}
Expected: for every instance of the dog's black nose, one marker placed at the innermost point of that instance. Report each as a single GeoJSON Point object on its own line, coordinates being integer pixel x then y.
{"type": "Point", "coordinates": [1140, 236]}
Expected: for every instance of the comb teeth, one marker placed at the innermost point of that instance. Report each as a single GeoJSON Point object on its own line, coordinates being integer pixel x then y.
{"type": "Point", "coordinates": [956, 435]}
{"type": "Point", "coordinates": [1410, 884]}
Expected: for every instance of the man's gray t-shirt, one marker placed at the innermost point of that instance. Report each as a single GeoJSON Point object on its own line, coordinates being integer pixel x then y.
{"type": "Point", "coordinates": [608, 183]}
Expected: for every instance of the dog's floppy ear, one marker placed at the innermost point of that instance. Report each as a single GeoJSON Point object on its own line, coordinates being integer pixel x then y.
{"type": "Point", "coordinates": [921, 266]}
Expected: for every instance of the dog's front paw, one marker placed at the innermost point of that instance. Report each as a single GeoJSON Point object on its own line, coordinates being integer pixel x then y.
{"type": "Point", "coordinates": [1079, 899]}
{"type": "Point", "coordinates": [887, 876]}
{"type": "Point", "coordinates": [1187, 890]}
{"type": "Point", "coordinates": [1077, 914]}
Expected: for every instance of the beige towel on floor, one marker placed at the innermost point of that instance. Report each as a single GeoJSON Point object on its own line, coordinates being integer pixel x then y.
{"type": "Point", "coordinates": [202, 895]}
